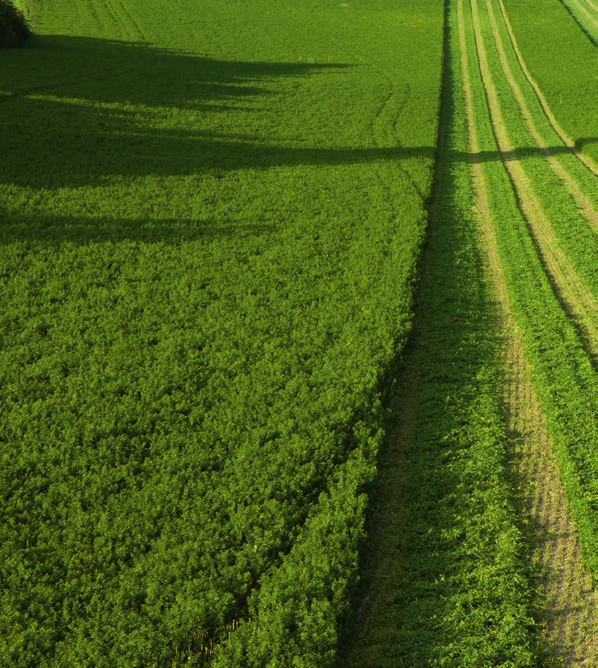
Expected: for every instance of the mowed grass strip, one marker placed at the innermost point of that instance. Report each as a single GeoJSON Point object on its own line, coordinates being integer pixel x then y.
{"type": "Point", "coordinates": [562, 587]}
{"type": "Point", "coordinates": [211, 223]}
{"type": "Point", "coordinates": [561, 59]}
{"type": "Point", "coordinates": [563, 375]}
{"type": "Point", "coordinates": [585, 13]}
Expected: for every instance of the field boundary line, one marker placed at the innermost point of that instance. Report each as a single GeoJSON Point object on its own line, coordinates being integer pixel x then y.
{"type": "Point", "coordinates": [572, 292]}
{"type": "Point", "coordinates": [583, 202]}
{"type": "Point", "coordinates": [555, 549]}
{"type": "Point", "coordinates": [387, 532]}
{"type": "Point", "coordinates": [586, 160]}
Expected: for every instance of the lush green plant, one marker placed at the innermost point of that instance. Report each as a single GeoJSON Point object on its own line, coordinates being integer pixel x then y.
{"type": "Point", "coordinates": [13, 26]}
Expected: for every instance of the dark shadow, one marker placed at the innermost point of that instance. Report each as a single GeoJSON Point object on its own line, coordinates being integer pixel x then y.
{"type": "Point", "coordinates": [582, 142]}
{"type": "Point", "coordinates": [50, 144]}
{"type": "Point", "coordinates": [580, 25]}
{"type": "Point", "coordinates": [518, 153]}
{"type": "Point", "coordinates": [55, 229]}
{"type": "Point", "coordinates": [139, 73]}
{"type": "Point", "coordinates": [78, 110]}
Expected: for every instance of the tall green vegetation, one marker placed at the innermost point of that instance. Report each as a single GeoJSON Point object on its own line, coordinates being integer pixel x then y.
{"type": "Point", "coordinates": [13, 27]}
{"type": "Point", "coordinates": [211, 222]}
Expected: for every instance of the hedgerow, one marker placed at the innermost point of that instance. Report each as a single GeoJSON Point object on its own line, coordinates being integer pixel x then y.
{"type": "Point", "coordinates": [13, 26]}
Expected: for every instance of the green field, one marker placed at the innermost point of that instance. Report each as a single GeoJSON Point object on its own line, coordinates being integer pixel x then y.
{"type": "Point", "coordinates": [278, 284]}
{"type": "Point", "coordinates": [211, 220]}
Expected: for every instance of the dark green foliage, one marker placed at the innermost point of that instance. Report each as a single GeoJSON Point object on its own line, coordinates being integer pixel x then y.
{"type": "Point", "coordinates": [13, 27]}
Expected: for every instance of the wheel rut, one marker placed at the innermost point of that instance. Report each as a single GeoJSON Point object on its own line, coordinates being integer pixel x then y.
{"type": "Point", "coordinates": [584, 204]}
{"type": "Point", "coordinates": [565, 599]}
{"type": "Point", "coordinates": [576, 298]}
{"type": "Point", "coordinates": [588, 10]}
{"type": "Point", "coordinates": [567, 141]}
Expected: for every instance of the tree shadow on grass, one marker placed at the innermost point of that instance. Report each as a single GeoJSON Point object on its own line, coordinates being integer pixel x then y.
{"type": "Point", "coordinates": [75, 110]}
{"type": "Point", "coordinates": [55, 229]}
{"type": "Point", "coordinates": [78, 112]}
{"type": "Point", "coordinates": [69, 143]}
{"type": "Point", "coordinates": [109, 71]}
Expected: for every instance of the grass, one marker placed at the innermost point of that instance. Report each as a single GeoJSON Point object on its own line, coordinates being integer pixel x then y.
{"type": "Point", "coordinates": [563, 373]}
{"type": "Point", "coordinates": [446, 580]}
{"type": "Point", "coordinates": [211, 228]}
{"type": "Point", "coordinates": [561, 73]}
{"type": "Point", "coordinates": [436, 590]}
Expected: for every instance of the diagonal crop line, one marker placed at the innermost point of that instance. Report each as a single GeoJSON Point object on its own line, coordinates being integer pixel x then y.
{"type": "Point", "coordinates": [588, 10]}
{"type": "Point", "coordinates": [572, 291]}
{"type": "Point", "coordinates": [567, 141]}
{"type": "Point", "coordinates": [582, 201]}
{"type": "Point", "coordinates": [567, 601]}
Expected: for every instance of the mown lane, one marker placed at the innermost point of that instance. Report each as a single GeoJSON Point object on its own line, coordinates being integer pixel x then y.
{"type": "Point", "coordinates": [567, 605]}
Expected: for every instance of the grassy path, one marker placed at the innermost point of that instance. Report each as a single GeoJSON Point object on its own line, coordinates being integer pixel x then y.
{"type": "Point", "coordinates": [567, 141]}
{"type": "Point", "coordinates": [586, 14]}
{"type": "Point", "coordinates": [569, 266]}
{"type": "Point", "coordinates": [583, 201]}
{"type": "Point", "coordinates": [541, 27]}
{"type": "Point", "coordinates": [211, 225]}
{"type": "Point", "coordinates": [564, 596]}
{"type": "Point", "coordinates": [574, 293]}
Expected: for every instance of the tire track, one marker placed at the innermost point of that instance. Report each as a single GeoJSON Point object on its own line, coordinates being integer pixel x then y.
{"type": "Point", "coordinates": [567, 141]}
{"type": "Point", "coordinates": [380, 141]}
{"type": "Point", "coordinates": [121, 24]}
{"type": "Point", "coordinates": [123, 18]}
{"type": "Point", "coordinates": [577, 300]}
{"type": "Point", "coordinates": [582, 201]}
{"type": "Point", "coordinates": [584, 11]}
{"type": "Point", "coordinates": [569, 605]}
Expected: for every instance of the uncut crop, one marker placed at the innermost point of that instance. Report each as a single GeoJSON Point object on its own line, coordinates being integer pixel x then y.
{"type": "Point", "coordinates": [210, 224]}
